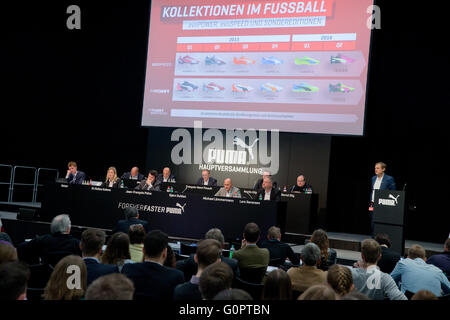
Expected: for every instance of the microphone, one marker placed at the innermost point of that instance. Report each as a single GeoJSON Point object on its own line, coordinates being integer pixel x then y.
{"type": "Point", "coordinates": [404, 186]}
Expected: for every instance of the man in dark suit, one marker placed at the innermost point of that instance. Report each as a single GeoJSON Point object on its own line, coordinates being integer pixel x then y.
{"type": "Point", "coordinates": [268, 192]}
{"type": "Point", "coordinates": [134, 174]}
{"type": "Point", "coordinates": [380, 181]}
{"type": "Point", "coordinates": [74, 176]}
{"type": "Point", "coordinates": [258, 185]}
{"type": "Point", "coordinates": [389, 257]}
{"type": "Point", "coordinates": [206, 179]}
{"type": "Point", "coordinates": [132, 217]}
{"type": "Point", "coordinates": [189, 266]}
{"type": "Point", "coordinates": [208, 252]}
{"type": "Point", "coordinates": [150, 183]}
{"type": "Point", "coordinates": [166, 176]}
{"type": "Point", "coordinates": [279, 250]}
{"type": "Point", "coordinates": [152, 280]}
{"type": "Point", "coordinates": [301, 185]}
{"type": "Point", "coordinates": [51, 247]}
{"type": "Point", "coordinates": [92, 241]}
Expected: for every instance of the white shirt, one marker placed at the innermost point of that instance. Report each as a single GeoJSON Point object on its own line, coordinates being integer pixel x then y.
{"type": "Point", "coordinates": [111, 184]}
{"type": "Point", "coordinates": [205, 183]}
{"type": "Point", "coordinates": [267, 195]}
{"type": "Point", "coordinates": [376, 186]}
{"type": "Point", "coordinates": [165, 179]}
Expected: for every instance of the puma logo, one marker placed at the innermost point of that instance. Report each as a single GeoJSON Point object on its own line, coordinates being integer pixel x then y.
{"type": "Point", "coordinates": [241, 143]}
{"type": "Point", "coordinates": [180, 206]}
{"type": "Point", "coordinates": [394, 198]}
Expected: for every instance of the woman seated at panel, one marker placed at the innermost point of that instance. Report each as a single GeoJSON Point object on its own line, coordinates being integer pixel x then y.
{"type": "Point", "coordinates": [112, 180]}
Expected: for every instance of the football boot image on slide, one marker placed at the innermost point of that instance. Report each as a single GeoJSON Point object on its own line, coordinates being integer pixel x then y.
{"type": "Point", "coordinates": [235, 87]}
{"type": "Point", "coordinates": [186, 86]}
{"type": "Point", "coordinates": [304, 87]}
{"type": "Point", "coordinates": [270, 87]}
{"type": "Point", "coordinates": [188, 60]}
{"type": "Point", "coordinates": [214, 61]}
{"type": "Point", "coordinates": [271, 60]}
{"type": "Point", "coordinates": [243, 60]}
{"type": "Point", "coordinates": [306, 61]}
{"type": "Point", "coordinates": [339, 87]}
{"type": "Point", "coordinates": [340, 59]}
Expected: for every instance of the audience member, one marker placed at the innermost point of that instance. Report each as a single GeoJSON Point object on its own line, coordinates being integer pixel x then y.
{"type": "Point", "coordinates": [58, 285]}
{"type": "Point", "coordinates": [134, 174]}
{"type": "Point", "coordinates": [369, 279]}
{"type": "Point", "coordinates": [51, 247]}
{"type": "Point", "coordinates": [214, 279]}
{"type": "Point", "coordinates": [318, 292]}
{"type": "Point", "coordinates": [92, 241]}
{"type": "Point", "coordinates": [152, 280]}
{"type": "Point", "coordinates": [7, 252]}
{"type": "Point", "coordinates": [113, 286]}
{"type": "Point", "coordinates": [14, 277]}
{"type": "Point", "coordinates": [136, 233]}
{"type": "Point", "coordinates": [208, 252]}
{"type": "Point", "coordinates": [250, 256]}
{"type": "Point", "coordinates": [424, 295]}
{"type": "Point", "coordinates": [150, 183]}
{"type": "Point", "coordinates": [117, 251]}
{"type": "Point", "coordinates": [233, 294]}
{"type": "Point", "coordinates": [308, 274]}
{"type": "Point", "coordinates": [277, 286]}
{"type": "Point", "coordinates": [340, 279]}
{"type": "Point", "coordinates": [279, 250]}
{"type": "Point", "coordinates": [189, 266]}
{"type": "Point", "coordinates": [389, 257]}
{"type": "Point", "coordinates": [355, 295]}
{"type": "Point", "coordinates": [442, 260]}
{"type": "Point", "coordinates": [415, 274]}
{"type": "Point", "coordinates": [171, 260]}
{"type": "Point", "coordinates": [112, 180]}
{"type": "Point", "coordinates": [4, 236]}
{"type": "Point", "coordinates": [131, 217]}
{"type": "Point", "coordinates": [327, 255]}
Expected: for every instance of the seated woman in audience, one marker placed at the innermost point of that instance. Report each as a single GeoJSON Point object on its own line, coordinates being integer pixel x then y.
{"type": "Point", "coordinates": [328, 256]}
{"type": "Point", "coordinates": [7, 252]}
{"type": "Point", "coordinates": [112, 180]}
{"type": "Point", "coordinates": [118, 250]}
{"type": "Point", "coordinates": [136, 233]}
{"type": "Point", "coordinates": [277, 286]}
{"type": "Point", "coordinates": [340, 279]}
{"type": "Point", "coordinates": [318, 292]}
{"type": "Point", "coordinates": [57, 286]}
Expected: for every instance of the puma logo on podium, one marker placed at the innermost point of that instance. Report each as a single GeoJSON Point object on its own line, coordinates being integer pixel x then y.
{"type": "Point", "coordinates": [394, 198]}
{"type": "Point", "coordinates": [241, 143]}
{"type": "Point", "coordinates": [392, 201]}
{"type": "Point", "coordinates": [180, 206]}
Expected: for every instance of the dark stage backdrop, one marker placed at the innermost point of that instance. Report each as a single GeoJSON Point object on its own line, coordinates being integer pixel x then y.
{"type": "Point", "coordinates": [77, 95]}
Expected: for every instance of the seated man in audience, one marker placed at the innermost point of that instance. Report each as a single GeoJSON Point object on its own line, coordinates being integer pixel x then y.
{"type": "Point", "coordinates": [442, 260]}
{"type": "Point", "coordinates": [308, 274]}
{"type": "Point", "coordinates": [189, 266]}
{"type": "Point", "coordinates": [166, 176]}
{"type": "Point", "coordinates": [258, 185]}
{"type": "Point", "coordinates": [7, 252]}
{"type": "Point", "coordinates": [301, 185]}
{"type": "Point", "coordinates": [132, 217]}
{"type": "Point", "coordinates": [92, 241]}
{"type": "Point", "coordinates": [134, 174]}
{"type": "Point", "coordinates": [150, 183]}
{"type": "Point", "coordinates": [74, 176]}
{"type": "Point", "coordinates": [279, 250]}
{"type": "Point", "coordinates": [208, 252]}
{"type": "Point", "coordinates": [389, 257]}
{"type": "Point", "coordinates": [14, 277]}
{"type": "Point", "coordinates": [415, 274]}
{"type": "Point", "coordinates": [228, 190]}
{"type": "Point", "coordinates": [369, 280]}
{"type": "Point", "coordinates": [214, 279]}
{"type": "Point", "coordinates": [114, 286]}
{"type": "Point", "coordinates": [152, 280]}
{"type": "Point", "coordinates": [51, 247]}
{"type": "Point", "coordinates": [250, 256]}
{"type": "Point", "coordinates": [206, 179]}
{"type": "Point", "coordinates": [268, 192]}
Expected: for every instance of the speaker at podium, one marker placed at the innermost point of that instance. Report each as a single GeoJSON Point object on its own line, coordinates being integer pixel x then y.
{"type": "Point", "coordinates": [389, 216]}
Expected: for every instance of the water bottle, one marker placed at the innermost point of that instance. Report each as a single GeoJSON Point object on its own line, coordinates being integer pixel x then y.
{"type": "Point", "coordinates": [122, 185]}
{"type": "Point", "coordinates": [168, 188]}
{"type": "Point", "coordinates": [260, 197]}
{"type": "Point", "coordinates": [231, 251]}
{"type": "Point", "coordinates": [171, 189]}
{"type": "Point", "coordinates": [284, 189]}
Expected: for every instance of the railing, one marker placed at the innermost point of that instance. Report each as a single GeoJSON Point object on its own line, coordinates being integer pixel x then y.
{"type": "Point", "coordinates": [35, 185]}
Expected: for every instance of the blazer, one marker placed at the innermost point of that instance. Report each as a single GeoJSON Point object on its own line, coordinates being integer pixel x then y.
{"type": "Point", "coordinates": [306, 276]}
{"type": "Point", "coordinates": [389, 259]}
{"type": "Point", "coordinates": [252, 257]}
{"type": "Point", "coordinates": [187, 291]}
{"type": "Point", "coordinates": [211, 182]}
{"type": "Point", "coordinates": [143, 185]}
{"type": "Point", "coordinates": [280, 250]}
{"type": "Point", "coordinates": [48, 246]}
{"type": "Point", "coordinates": [124, 225]}
{"type": "Point", "coordinates": [96, 269]}
{"type": "Point", "coordinates": [116, 184]}
{"type": "Point", "coordinates": [258, 184]}
{"type": "Point", "coordinates": [79, 178]}
{"type": "Point", "coordinates": [387, 183]}
{"type": "Point", "coordinates": [275, 194]}
{"type": "Point", "coordinates": [152, 280]}
{"type": "Point", "coordinates": [127, 175]}
{"type": "Point", "coordinates": [160, 178]}
{"type": "Point", "coordinates": [235, 192]}
{"type": "Point", "coordinates": [189, 266]}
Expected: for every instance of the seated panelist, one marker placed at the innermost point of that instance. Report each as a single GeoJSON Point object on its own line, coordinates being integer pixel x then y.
{"type": "Point", "coordinates": [134, 174]}
{"type": "Point", "coordinates": [301, 185]}
{"type": "Point", "coordinates": [74, 176]}
{"type": "Point", "coordinates": [268, 192]}
{"type": "Point", "coordinates": [166, 176]}
{"type": "Point", "coordinates": [228, 190]}
{"type": "Point", "coordinates": [206, 179]}
{"type": "Point", "coordinates": [112, 180]}
{"type": "Point", "coordinates": [150, 183]}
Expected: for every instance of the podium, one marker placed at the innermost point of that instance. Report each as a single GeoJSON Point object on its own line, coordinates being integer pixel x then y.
{"type": "Point", "coordinates": [389, 216]}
